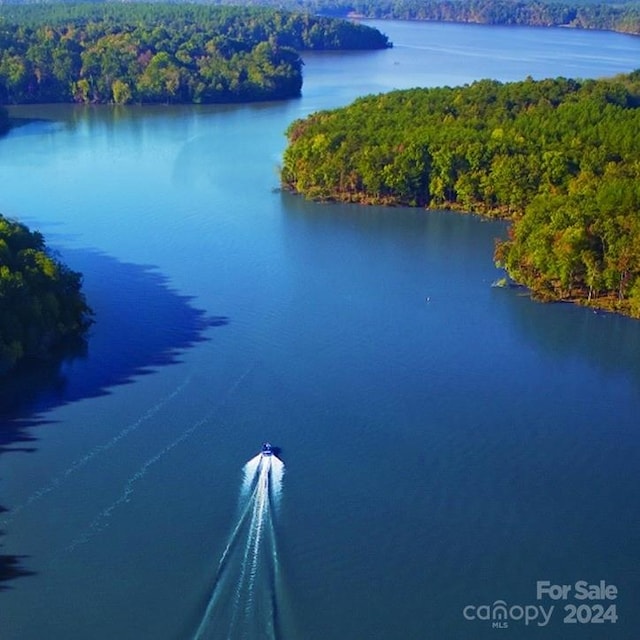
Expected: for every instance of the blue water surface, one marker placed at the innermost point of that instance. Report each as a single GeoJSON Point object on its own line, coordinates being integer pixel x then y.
{"type": "Point", "coordinates": [445, 443]}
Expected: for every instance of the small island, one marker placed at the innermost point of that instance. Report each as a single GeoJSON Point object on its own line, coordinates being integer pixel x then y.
{"type": "Point", "coordinates": [162, 53]}
{"type": "Point", "coordinates": [42, 306]}
{"type": "Point", "coordinates": [559, 158]}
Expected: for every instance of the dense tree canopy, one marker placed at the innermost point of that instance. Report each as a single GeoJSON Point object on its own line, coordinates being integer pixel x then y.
{"type": "Point", "coordinates": [612, 15]}
{"type": "Point", "coordinates": [41, 302]}
{"type": "Point", "coordinates": [561, 158]}
{"type": "Point", "coordinates": [162, 53]}
{"type": "Point", "coordinates": [583, 14]}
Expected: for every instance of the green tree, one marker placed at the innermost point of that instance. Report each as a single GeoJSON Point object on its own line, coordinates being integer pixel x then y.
{"type": "Point", "coordinates": [41, 301]}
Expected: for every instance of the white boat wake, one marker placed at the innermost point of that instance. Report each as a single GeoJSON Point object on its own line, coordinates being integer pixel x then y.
{"type": "Point", "coordinates": [246, 601]}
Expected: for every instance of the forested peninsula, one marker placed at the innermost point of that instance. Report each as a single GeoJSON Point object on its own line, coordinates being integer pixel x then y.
{"type": "Point", "coordinates": [157, 53]}
{"type": "Point", "coordinates": [559, 158]}
{"type": "Point", "coordinates": [41, 302]}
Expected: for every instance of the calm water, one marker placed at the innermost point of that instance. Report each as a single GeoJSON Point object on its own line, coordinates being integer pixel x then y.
{"type": "Point", "coordinates": [445, 443]}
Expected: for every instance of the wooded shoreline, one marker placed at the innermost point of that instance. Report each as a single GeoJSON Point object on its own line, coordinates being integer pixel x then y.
{"type": "Point", "coordinates": [163, 53]}
{"type": "Point", "coordinates": [558, 158]}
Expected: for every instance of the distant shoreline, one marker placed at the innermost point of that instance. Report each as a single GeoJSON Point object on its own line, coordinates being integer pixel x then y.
{"type": "Point", "coordinates": [621, 18]}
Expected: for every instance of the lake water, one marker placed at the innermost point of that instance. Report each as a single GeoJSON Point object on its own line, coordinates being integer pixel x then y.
{"type": "Point", "coordinates": [446, 444]}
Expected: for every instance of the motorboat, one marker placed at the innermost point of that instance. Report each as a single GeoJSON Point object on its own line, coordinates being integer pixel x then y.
{"type": "Point", "coordinates": [267, 449]}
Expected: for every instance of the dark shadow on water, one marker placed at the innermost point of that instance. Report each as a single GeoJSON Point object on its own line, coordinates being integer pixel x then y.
{"type": "Point", "coordinates": [10, 569]}
{"type": "Point", "coordinates": [28, 126]}
{"type": "Point", "coordinates": [140, 324]}
{"type": "Point", "coordinates": [11, 566]}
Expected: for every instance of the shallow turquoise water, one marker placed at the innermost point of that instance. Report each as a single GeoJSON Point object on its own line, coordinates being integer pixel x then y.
{"type": "Point", "coordinates": [445, 443]}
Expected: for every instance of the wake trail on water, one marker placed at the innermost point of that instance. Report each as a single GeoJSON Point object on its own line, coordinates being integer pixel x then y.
{"type": "Point", "coordinates": [247, 597]}
{"type": "Point", "coordinates": [84, 460]}
{"type": "Point", "coordinates": [101, 520]}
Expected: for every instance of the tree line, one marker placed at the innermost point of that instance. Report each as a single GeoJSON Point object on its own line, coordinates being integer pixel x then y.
{"type": "Point", "coordinates": [41, 300]}
{"type": "Point", "coordinates": [584, 14]}
{"type": "Point", "coordinates": [607, 15]}
{"type": "Point", "coordinates": [558, 157]}
{"type": "Point", "coordinates": [135, 53]}
{"type": "Point", "coordinates": [623, 16]}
